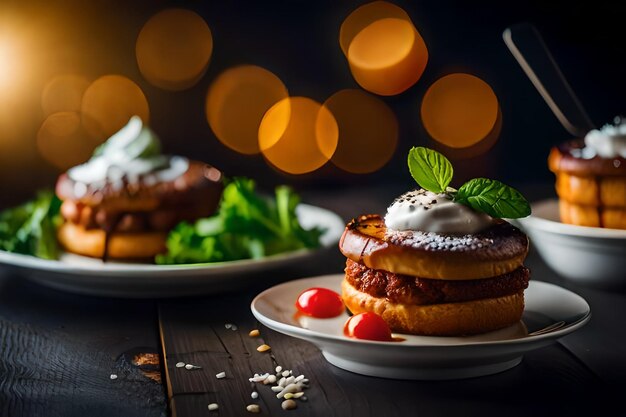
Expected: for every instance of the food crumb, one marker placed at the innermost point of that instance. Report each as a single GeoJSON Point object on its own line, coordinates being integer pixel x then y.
{"type": "Point", "coordinates": [254, 395]}
{"type": "Point", "coordinates": [289, 405]}
{"type": "Point", "coordinates": [263, 348]}
{"type": "Point", "coordinates": [254, 333]}
{"type": "Point", "coordinates": [253, 408]}
{"type": "Point", "coordinates": [221, 375]}
{"type": "Point", "coordinates": [180, 364]}
{"type": "Point", "coordinates": [213, 407]}
{"type": "Point", "coordinates": [113, 376]}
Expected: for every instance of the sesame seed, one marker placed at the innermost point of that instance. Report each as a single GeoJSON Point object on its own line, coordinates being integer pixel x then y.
{"type": "Point", "coordinates": [254, 333]}
{"type": "Point", "coordinates": [190, 367]}
{"type": "Point", "coordinates": [221, 375]}
{"type": "Point", "coordinates": [279, 369]}
{"type": "Point", "coordinates": [228, 325]}
{"type": "Point", "coordinates": [253, 408]}
{"type": "Point", "coordinates": [113, 376]}
{"type": "Point", "coordinates": [213, 407]}
{"type": "Point", "coordinates": [254, 395]}
{"type": "Point", "coordinates": [263, 348]}
{"type": "Point", "coordinates": [180, 364]}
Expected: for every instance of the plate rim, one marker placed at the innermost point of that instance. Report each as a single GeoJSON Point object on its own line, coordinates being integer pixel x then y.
{"type": "Point", "coordinates": [550, 226]}
{"type": "Point", "coordinates": [312, 335]}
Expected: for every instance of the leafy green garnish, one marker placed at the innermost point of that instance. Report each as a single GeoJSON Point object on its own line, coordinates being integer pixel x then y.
{"type": "Point", "coordinates": [30, 229]}
{"type": "Point", "coordinates": [494, 198]}
{"type": "Point", "coordinates": [246, 226]}
{"type": "Point", "coordinates": [433, 172]}
{"type": "Point", "coordinates": [430, 169]}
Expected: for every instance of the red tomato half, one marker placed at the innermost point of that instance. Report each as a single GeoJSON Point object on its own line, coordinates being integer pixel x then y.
{"type": "Point", "coordinates": [320, 302]}
{"type": "Point", "coordinates": [369, 326]}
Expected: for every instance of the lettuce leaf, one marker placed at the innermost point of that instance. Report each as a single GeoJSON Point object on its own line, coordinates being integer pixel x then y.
{"type": "Point", "coordinates": [246, 226]}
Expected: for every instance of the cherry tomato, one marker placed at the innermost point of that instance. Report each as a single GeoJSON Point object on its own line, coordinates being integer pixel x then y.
{"type": "Point", "coordinates": [368, 326]}
{"type": "Point", "coordinates": [320, 302]}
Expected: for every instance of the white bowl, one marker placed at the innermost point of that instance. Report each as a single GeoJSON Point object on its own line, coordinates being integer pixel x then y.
{"type": "Point", "coordinates": [591, 256]}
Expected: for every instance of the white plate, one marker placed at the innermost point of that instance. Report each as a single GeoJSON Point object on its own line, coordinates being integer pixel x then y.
{"type": "Point", "coordinates": [423, 357]}
{"type": "Point", "coordinates": [592, 256]}
{"type": "Point", "coordinates": [92, 276]}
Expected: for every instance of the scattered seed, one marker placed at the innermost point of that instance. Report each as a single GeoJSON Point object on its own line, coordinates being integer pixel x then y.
{"type": "Point", "coordinates": [299, 378]}
{"type": "Point", "coordinates": [288, 396]}
{"type": "Point", "coordinates": [279, 369]}
{"type": "Point", "coordinates": [228, 325]}
{"type": "Point", "coordinates": [190, 366]}
{"type": "Point", "coordinates": [277, 388]}
{"type": "Point", "coordinates": [289, 388]}
{"type": "Point", "coordinates": [180, 364]}
{"type": "Point", "coordinates": [113, 376]}
{"type": "Point", "coordinates": [289, 405]}
{"type": "Point", "coordinates": [281, 382]}
{"type": "Point", "coordinates": [213, 407]}
{"type": "Point", "coordinates": [254, 395]}
{"type": "Point", "coordinates": [233, 327]}
{"type": "Point", "coordinates": [263, 348]}
{"type": "Point", "coordinates": [304, 398]}
{"type": "Point", "coordinates": [296, 395]}
{"type": "Point", "coordinates": [286, 373]}
{"type": "Point", "coordinates": [259, 378]}
{"type": "Point", "coordinates": [253, 408]}
{"type": "Point", "coordinates": [221, 375]}
{"type": "Point", "coordinates": [271, 379]}
{"type": "Point", "coordinates": [254, 333]}
{"type": "Point", "coordinates": [290, 380]}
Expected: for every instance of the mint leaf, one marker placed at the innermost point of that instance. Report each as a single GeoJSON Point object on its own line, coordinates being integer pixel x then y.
{"type": "Point", "coordinates": [494, 198]}
{"type": "Point", "coordinates": [430, 169]}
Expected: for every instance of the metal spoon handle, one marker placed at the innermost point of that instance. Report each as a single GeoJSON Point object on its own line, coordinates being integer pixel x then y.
{"type": "Point", "coordinates": [531, 52]}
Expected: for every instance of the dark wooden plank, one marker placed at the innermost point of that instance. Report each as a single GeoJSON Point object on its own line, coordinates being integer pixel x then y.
{"type": "Point", "coordinates": [58, 351]}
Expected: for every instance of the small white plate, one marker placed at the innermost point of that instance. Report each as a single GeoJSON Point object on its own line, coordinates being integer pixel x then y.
{"type": "Point", "coordinates": [592, 256]}
{"type": "Point", "coordinates": [423, 357]}
{"type": "Point", "coordinates": [91, 276]}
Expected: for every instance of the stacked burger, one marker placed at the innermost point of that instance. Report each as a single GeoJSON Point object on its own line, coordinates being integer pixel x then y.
{"type": "Point", "coordinates": [123, 202]}
{"type": "Point", "coordinates": [439, 263]}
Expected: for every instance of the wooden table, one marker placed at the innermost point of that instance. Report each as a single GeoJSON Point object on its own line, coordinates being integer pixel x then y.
{"type": "Point", "coordinates": [59, 353]}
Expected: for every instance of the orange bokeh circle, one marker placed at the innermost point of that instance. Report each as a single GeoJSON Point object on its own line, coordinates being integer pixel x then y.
{"type": "Point", "coordinates": [298, 135]}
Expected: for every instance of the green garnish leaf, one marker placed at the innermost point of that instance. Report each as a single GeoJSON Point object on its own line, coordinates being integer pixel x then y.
{"type": "Point", "coordinates": [246, 226]}
{"type": "Point", "coordinates": [30, 229]}
{"type": "Point", "coordinates": [430, 169]}
{"type": "Point", "coordinates": [494, 198]}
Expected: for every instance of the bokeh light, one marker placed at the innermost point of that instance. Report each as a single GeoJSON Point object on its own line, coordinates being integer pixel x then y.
{"type": "Point", "coordinates": [174, 49]}
{"type": "Point", "coordinates": [475, 150]}
{"type": "Point", "coordinates": [368, 131]}
{"type": "Point", "coordinates": [387, 56]}
{"type": "Point", "coordinates": [364, 16]}
{"type": "Point", "coordinates": [298, 135]}
{"type": "Point", "coordinates": [236, 103]}
{"type": "Point", "coordinates": [459, 110]}
{"type": "Point", "coordinates": [62, 141]}
{"type": "Point", "coordinates": [108, 104]}
{"type": "Point", "coordinates": [63, 93]}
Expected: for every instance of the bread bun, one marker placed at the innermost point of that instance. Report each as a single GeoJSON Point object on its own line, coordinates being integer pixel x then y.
{"type": "Point", "coordinates": [142, 245]}
{"type": "Point", "coordinates": [449, 319]}
{"type": "Point", "coordinates": [592, 192]}
{"type": "Point", "coordinates": [496, 251]}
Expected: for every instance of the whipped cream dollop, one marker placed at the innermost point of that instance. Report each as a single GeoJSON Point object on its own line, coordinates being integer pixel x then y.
{"type": "Point", "coordinates": [609, 141]}
{"type": "Point", "coordinates": [430, 212]}
{"type": "Point", "coordinates": [132, 154]}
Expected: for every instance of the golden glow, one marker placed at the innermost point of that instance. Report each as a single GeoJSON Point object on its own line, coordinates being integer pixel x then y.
{"type": "Point", "coordinates": [236, 103]}
{"type": "Point", "coordinates": [298, 135]}
{"type": "Point", "coordinates": [61, 140]}
{"type": "Point", "coordinates": [459, 110]}
{"type": "Point", "coordinates": [388, 56]}
{"type": "Point", "coordinates": [174, 49]}
{"type": "Point", "coordinates": [478, 148]}
{"type": "Point", "coordinates": [365, 15]}
{"type": "Point", "coordinates": [108, 104]}
{"type": "Point", "coordinates": [368, 131]}
{"type": "Point", "coordinates": [63, 93]}
{"type": "Point", "coordinates": [8, 62]}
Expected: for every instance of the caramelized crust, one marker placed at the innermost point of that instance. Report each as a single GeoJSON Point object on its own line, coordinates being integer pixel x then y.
{"type": "Point", "coordinates": [563, 159]}
{"type": "Point", "coordinates": [496, 251]}
{"type": "Point", "coordinates": [405, 289]}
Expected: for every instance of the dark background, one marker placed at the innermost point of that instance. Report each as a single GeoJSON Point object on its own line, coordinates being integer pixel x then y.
{"type": "Point", "coordinates": [298, 41]}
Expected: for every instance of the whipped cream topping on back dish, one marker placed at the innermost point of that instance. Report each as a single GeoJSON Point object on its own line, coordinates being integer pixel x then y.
{"type": "Point", "coordinates": [609, 141]}
{"type": "Point", "coordinates": [422, 210]}
{"type": "Point", "coordinates": [133, 153]}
